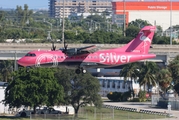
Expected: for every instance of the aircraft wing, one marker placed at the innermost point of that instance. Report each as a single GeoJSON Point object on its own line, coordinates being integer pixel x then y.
{"type": "Point", "coordinates": [82, 50]}
{"type": "Point", "coordinates": [88, 49]}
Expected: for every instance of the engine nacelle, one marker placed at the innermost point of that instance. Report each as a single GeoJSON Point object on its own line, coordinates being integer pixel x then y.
{"type": "Point", "coordinates": [72, 51]}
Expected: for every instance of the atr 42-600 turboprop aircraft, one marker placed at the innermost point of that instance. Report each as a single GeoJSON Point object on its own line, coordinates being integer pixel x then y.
{"type": "Point", "coordinates": [90, 57]}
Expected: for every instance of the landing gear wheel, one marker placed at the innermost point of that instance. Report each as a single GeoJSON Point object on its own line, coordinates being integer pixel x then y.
{"type": "Point", "coordinates": [77, 71]}
{"type": "Point", "coordinates": [28, 69]}
{"type": "Point", "coordinates": [84, 71]}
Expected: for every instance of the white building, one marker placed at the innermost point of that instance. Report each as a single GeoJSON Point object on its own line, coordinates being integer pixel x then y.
{"type": "Point", "coordinates": [117, 84]}
{"type": "Point", "coordinates": [3, 108]}
{"type": "Point", "coordinates": [77, 6]}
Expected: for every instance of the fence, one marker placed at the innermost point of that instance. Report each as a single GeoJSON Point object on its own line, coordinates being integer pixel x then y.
{"type": "Point", "coordinates": [174, 102]}
{"type": "Point", "coordinates": [109, 113]}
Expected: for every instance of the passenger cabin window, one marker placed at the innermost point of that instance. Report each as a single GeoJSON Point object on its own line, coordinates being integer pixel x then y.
{"type": "Point", "coordinates": [30, 54]}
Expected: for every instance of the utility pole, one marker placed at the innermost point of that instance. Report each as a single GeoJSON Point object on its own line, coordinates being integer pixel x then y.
{"type": "Point", "coordinates": [48, 23]}
{"type": "Point", "coordinates": [48, 35]}
{"type": "Point", "coordinates": [63, 41]}
{"type": "Point", "coordinates": [124, 6]}
{"type": "Point", "coordinates": [15, 61]}
{"type": "Point", "coordinates": [171, 22]}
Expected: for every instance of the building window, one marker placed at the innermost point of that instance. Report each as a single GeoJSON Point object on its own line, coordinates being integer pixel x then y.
{"type": "Point", "coordinates": [124, 85]}
{"type": "Point", "coordinates": [103, 84]}
{"type": "Point", "coordinates": [113, 84]}
{"type": "Point", "coordinates": [108, 85]}
{"type": "Point", "coordinates": [118, 86]}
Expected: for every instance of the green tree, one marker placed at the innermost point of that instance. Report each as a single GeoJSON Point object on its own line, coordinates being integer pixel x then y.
{"type": "Point", "coordinates": [142, 96]}
{"type": "Point", "coordinates": [147, 74]}
{"type": "Point", "coordinates": [161, 40]}
{"type": "Point", "coordinates": [26, 14]}
{"type": "Point", "coordinates": [176, 87]}
{"type": "Point", "coordinates": [164, 78]}
{"type": "Point", "coordinates": [34, 88]}
{"type": "Point", "coordinates": [132, 31]}
{"type": "Point", "coordinates": [19, 13]}
{"type": "Point", "coordinates": [174, 68]}
{"type": "Point", "coordinates": [23, 15]}
{"type": "Point", "coordinates": [130, 72]}
{"type": "Point", "coordinates": [6, 68]}
{"type": "Point", "coordinates": [139, 23]}
{"type": "Point", "coordinates": [2, 16]}
{"type": "Point", "coordinates": [80, 89]}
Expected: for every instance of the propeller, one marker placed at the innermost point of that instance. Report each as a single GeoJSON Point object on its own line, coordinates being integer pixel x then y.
{"type": "Point", "coordinates": [65, 46]}
{"type": "Point", "coordinates": [53, 47]}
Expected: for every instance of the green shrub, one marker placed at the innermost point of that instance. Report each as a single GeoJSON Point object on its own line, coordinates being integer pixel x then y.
{"type": "Point", "coordinates": [118, 96]}
{"type": "Point", "coordinates": [142, 96]}
{"type": "Point", "coordinates": [114, 96]}
{"type": "Point", "coordinates": [126, 95]}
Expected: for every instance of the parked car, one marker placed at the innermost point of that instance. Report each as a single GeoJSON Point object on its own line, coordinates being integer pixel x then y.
{"type": "Point", "coordinates": [24, 113]}
{"type": "Point", "coordinates": [3, 84]}
{"type": "Point", "coordinates": [47, 110]}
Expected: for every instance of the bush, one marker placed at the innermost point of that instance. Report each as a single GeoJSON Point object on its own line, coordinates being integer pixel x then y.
{"type": "Point", "coordinates": [114, 96]}
{"type": "Point", "coordinates": [142, 96]}
{"type": "Point", "coordinates": [118, 96]}
{"type": "Point", "coordinates": [126, 95]}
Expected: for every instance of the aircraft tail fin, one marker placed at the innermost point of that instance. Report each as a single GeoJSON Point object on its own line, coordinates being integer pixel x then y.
{"type": "Point", "coordinates": [141, 44]}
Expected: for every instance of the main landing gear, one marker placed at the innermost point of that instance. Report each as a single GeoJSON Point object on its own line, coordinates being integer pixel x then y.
{"type": "Point", "coordinates": [80, 70]}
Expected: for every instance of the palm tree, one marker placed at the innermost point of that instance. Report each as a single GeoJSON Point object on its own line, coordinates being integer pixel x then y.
{"type": "Point", "coordinates": [6, 69]}
{"type": "Point", "coordinates": [164, 78]}
{"type": "Point", "coordinates": [174, 68]}
{"type": "Point", "coordinates": [130, 71]}
{"type": "Point", "coordinates": [147, 75]}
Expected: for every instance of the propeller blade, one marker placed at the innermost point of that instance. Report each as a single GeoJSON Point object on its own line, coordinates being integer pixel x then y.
{"type": "Point", "coordinates": [53, 47]}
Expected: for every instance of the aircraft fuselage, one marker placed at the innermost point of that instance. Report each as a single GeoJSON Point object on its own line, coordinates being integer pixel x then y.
{"type": "Point", "coordinates": [100, 58]}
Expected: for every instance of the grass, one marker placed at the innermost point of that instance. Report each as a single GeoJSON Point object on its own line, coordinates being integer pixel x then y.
{"type": "Point", "coordinates": [92, 113]}
{"type": "Point", "coordinates": [107, 114]}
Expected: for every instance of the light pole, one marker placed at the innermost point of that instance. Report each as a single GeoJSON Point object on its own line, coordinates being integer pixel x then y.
{"type": "Point", "coordinates": [124, 7]}
{"type": "Point", "coordinates": [171, 22]}
{"type": "Point", "coordinates": [49, 23]}
{"type": "Point", "coordinates": [49, 37]}
{"type": "Point", "coordinates": [139, 24]}
{"type": "Point", "coordinates": [63, 22]}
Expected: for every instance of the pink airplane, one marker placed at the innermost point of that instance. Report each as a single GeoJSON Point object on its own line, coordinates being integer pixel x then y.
{"type": "Point", "coordinates": [90, 57]}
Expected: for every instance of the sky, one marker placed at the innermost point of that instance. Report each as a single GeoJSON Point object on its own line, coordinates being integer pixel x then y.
{"type": "Point", "coordinates": [33, 4]}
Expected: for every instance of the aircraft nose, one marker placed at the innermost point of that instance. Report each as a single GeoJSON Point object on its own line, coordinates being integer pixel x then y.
{"type": "Point", "coordinates": [21, 62]}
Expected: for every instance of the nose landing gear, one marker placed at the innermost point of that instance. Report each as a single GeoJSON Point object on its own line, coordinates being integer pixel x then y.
{"type": "Point", "coordinates": [80, 70]}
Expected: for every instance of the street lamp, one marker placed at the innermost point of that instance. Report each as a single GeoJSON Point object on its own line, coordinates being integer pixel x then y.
{"type": "Point", "coordinates": [124, 7]}
{"type": "Point", "coordinates": [139, 24]}
{"type": "Point", "coordinates": [49, 23]}
{"type": "Point", "coordinates": [63, 22]}
{"type": "Point", "coordinates": [49, 36]}
{"type": "Point", "coordinates": [170, 22]}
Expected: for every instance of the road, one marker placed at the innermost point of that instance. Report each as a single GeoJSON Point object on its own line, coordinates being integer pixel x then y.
{"type": "Point", "coordinates": [47, 46]}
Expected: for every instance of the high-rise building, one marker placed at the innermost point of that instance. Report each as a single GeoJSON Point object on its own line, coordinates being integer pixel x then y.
{"type": "Point", "coordinates": [77, 6]}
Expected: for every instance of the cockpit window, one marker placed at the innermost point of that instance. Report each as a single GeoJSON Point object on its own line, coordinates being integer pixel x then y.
{"type": "Point", "coordinates": [30, 54]}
